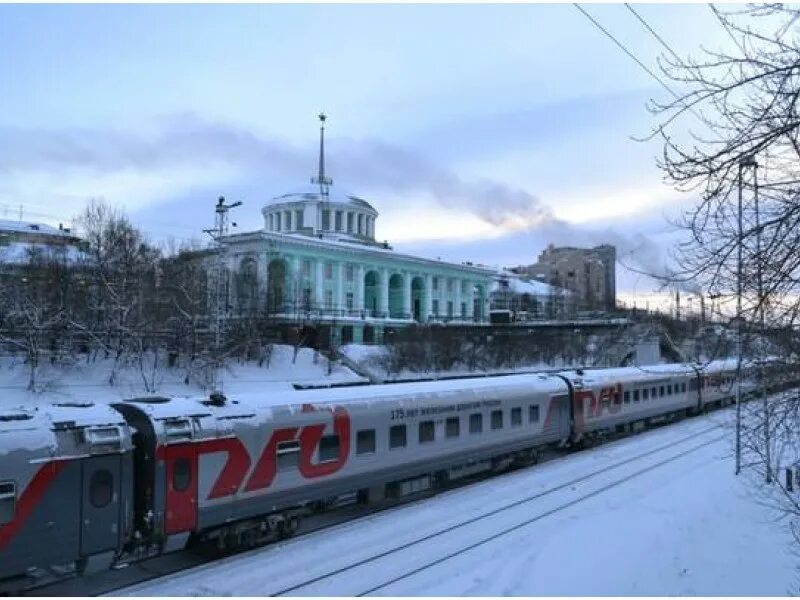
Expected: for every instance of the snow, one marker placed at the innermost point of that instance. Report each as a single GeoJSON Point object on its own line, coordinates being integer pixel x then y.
{"type": "Point", "coordinates": [675, 521]}
{"type": "Point", "coordinates": [87, 381]}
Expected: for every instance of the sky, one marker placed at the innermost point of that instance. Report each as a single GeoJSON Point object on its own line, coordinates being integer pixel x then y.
{"type": "Point", "coordinates": [479, 132]}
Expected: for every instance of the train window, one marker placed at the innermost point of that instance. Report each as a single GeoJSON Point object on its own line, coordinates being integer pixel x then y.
{"type": "Point", "coordinates": [683, 387]}
{"type": "Point", "coordinates": [181, 475]}
{"type": "Point", "coordinates": [288, 454]}
{"type": "Point", "coordinates": [101, 488]}
{"type": "Point", "coordinates": [329, 448]}
{"type": "Point", "coordinates": [8, 501]}
{"type": "Point", "coordinates": [452, 427]}
{"type": "Point", "coordinates": [365, 441]}
{"type": "Point", "coordinates": [635, 395]}
{"type": "Point", "coordinates": [397, 436]}
{"type": "Point", "coordinates": [497, 419]}
{"type": "Point", "coordinates": [660, 390]}
{"type": "Point", "coordinates": [627, 397]}
{"type": "Point", "coordinates": [475, 423]}
{"type": "Point", "coordinates": [427, 432]}
{"type": "Point", "coordinates": [645, 393]}
{"type": "Point", "coordinates": [669, 390]}
{"type": "Point", "coordinates": [533, 413]}
{"type": "Point", "coordinates": [516, 417]}
{"type": "Point", "coordinates": [653, 393]}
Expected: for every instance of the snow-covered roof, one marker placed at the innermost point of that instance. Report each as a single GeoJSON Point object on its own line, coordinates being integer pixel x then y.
{"type": "Point", "coordinates": [7, 226]}
{"type": "Point", "coordinates": [349, 245]}
{"type": "Point", "coordinates": [313, 192]}
{"type": "Point", "coordinates": [515, 284]}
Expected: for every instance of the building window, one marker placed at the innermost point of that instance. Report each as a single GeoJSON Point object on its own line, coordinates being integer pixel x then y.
{"type": "Point", "coordinates": [533, 413]}
{"type": "Point", "coordinates": [516, 417]}
{"type": "Point", "coordinates": [326, 219]}
{"type": "Point", "coordinates": [427, 432]}
{"type": "Point", "coordinates": [497, 419]}
{"type": "Point", "coordinates": [328, 270]}
{"type": "Point", "coordinates": [463, 309]}
{"type": "Point", "coordinates": [277, 221]}
{"type": "Point", "coordinates": [307, 268]}
{"type": "Point", "coordinates": [349, 271]}
{"type": "Point", "coordinates": [271, 222]}
{"type": "Point", "coordinates": [449, 309]}
{"type": "Point", "coordinates": [452, 427]}
{"type": "Point", "coordinates": [298, 219]}
{"type": "Point", "coordinates": [349, 300]}
{"type": "Point", "coordinates": [360, 224]}
{"type": "Point", "coordinates": [435, 307]}
{"type": "Point", "coordinates": [449, 285]}
{"type": "Point", "coordinates": [365, 441]}
{"type": "Point", "coordinates": [288, 223]}
{"type": "Point", "coordinates": [435, 283]}
{"type": "Point", "coordinates": [475, 423]}
{"type": "Point", "coordinates": [349, 222]}
{"type": "Point", "coordinates": [397, 436]}
{"type": "Point", "coordinates": [338, 220]}
{"type": "Point", "coordinates": [329, 298]}
{"type": "Point", "coordinates": [329, 448]}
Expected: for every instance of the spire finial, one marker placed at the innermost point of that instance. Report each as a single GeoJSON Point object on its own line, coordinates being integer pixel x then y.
{"type": "Point", "coordinates": [320, 179]}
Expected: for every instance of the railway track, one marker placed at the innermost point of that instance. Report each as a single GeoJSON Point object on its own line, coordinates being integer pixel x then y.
{"type": "Point", "coordinates": [350, 571]}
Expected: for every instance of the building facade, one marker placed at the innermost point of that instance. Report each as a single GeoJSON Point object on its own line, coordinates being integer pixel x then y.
{"type": "Point", "coordinates": [316, 261]}
{"type": "Point", "coordinates": [590, 273]}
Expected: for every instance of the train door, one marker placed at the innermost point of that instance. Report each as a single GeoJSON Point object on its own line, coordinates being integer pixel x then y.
{"type": "Point", "coordinates": [181, 486]}
{"type": "Point", "coordinates": [100, 506]}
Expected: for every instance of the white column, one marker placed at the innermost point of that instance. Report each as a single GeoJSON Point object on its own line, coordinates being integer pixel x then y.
{"type": "Point", "coordinates": [427, 305]}
{"type": "Point", "coordinates": [294, 288]}
{"type": "Point", "coordinates": [338, 293]}
{"type": "Point", "coordinates": [359, 295]}
{"type": "Point", "coordinates": [319, 284]}
{"type": "Point", "coordinates": [470, 299]}
{"type": "Point", "coordinates": [407, 294]}
{"type": "Point", "coordinates": [383, 297]}
{"type": "Point", "coordinates": [457, 299]}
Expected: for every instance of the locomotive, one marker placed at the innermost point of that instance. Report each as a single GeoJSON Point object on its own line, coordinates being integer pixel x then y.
{"type": "Point", "coordinates": [92, 485]}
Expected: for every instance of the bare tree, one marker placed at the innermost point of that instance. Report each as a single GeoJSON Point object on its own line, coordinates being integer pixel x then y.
{"type": "Point", "coordinates": [741, 156]}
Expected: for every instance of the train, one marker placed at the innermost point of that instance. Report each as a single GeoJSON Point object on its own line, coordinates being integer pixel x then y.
{"type": "Point", "coordinates": [92, 485]}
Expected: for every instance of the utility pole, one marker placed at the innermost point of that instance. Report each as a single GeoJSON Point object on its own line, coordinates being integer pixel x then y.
{"type": "Point", "coordinates": [220, 283]}
{"type": "Point", "coordinates": [762, 329]}
{"type": "Point", "coordinates": [747, 161]}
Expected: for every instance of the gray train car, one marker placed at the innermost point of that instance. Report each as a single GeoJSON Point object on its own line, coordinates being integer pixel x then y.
{"type": "Point", "coordinates": [65, 482]}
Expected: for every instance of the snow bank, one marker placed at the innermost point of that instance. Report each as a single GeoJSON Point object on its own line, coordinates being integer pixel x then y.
{"type": "Point", "coordinates": [88, 380]}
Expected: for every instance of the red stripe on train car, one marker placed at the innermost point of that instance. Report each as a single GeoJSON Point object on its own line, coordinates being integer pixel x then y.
{"type": "Point", "coordinates": [30, 498]}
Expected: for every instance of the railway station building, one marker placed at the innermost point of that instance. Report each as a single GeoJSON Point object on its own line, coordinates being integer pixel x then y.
{"type": "Point", "coordinates": [316, 261]}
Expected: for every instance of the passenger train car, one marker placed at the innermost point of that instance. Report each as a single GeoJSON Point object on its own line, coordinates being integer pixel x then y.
{"type": "Point", "coordinates": [95, 485]}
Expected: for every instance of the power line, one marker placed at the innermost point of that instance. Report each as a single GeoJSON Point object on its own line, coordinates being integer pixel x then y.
{"type": "Point", "coordinates": [639, 62]}
{"type": "Point", "coordinates": [626, 51]}
{"type": "Point", "coordinates": [652, 31]}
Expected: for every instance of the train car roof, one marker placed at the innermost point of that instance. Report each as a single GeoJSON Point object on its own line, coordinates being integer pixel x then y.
{"type": "Point", "coordinates": [291, 398]}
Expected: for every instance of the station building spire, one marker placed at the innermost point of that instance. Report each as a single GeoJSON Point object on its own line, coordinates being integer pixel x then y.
{"type": "Point", "coordinates": [323, 181]}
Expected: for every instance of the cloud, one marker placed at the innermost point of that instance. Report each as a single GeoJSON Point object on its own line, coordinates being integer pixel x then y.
{"type": "Point", "coordinates": [187, 142]}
